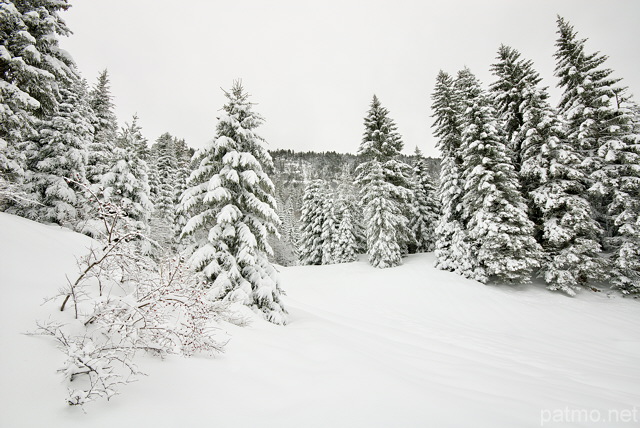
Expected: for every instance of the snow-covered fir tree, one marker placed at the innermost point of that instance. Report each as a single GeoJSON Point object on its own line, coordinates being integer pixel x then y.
{"type": "Point", "coordinates": [288, 229]}
{"type": "Point", "coordinates": [528, 120]}
{"type": "Point", "coordinates": [381, 140]}
{"type": "Point", "coordinates": [329, 229]}
{"type": "Point", "coordinates": [516, 81]}
{"type": "Point", "coordinates": [232, 211]}
{"type": "Point", "coordinates": [17, 106]}
{"type": "Point", "coordinates": [285, 247]}
{"type": "Point", "coordinates": [345, 247]}
{"type": "Point", "coordinates": [382, 216]}
{"type": "Point", "coordinates": [600, 122]}
{"type": "Point", "coordinates": [131, 136]}
{"type": "Point", "coordinates": [312, 219]}
{"type": "Point", "coordinates": [570, 233]}
{"type": "Point", "coordinates": [163, 183]}
{"type": "Point", "coordinates": [621, 177]}
{"type": "Point", "coordinates": [452, 247]}
{"type": "Point", "coordinates": [541, 130]}
{"type": "Point", "coordinates": [494, 211]}
{"type": "Point", "coordinates": [590, 103]}
{"type": "Point", "coordinates": [105, 129]}
{"type": "Point", "coordinates": [57, 159]}
{"type": "Point", "coordinates": [165, 166]}
{"type": "Point", "coordinates": [31, 67]}
{"type": "Point", "coordinates": [426, 211]}
{"type": "Point", "coordinates": [381, 171]}
{"type": "Point", "coordinates": [183, 155]}
{"type": "Point", "coordinates": [399, 174]}
{"type": "Point", "coordinates": [126, 183]}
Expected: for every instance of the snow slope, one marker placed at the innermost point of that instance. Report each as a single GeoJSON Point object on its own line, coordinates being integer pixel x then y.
{"type": "Point", "coordinates": [404, 347]}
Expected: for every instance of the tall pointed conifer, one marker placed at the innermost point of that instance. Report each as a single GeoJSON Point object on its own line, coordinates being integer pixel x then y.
{"type": "Point", "coordinates": [494, 211]}
{"type": "Point", "coordinates": [232, 211]}
{"type": "Point", "coordinates": [452, 248]}
{"type": "Point", "coordinates": [385, 219]}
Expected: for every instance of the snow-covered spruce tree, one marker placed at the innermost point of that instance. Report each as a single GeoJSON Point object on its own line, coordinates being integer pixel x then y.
{"type": "Point", "coordinates": [163, 190]}
{"type": "Point", "coordinates": [105, 126]}
{"type": "Point", "coordinates": [57, 159]}
{"type": "Point", "coordinates": [292, 215]}
{"type": "Point", "coordinates": [384, 220]}
{"type": "Point", "coordinates": [17, 107]}
{"type": "Point", "coordinates": [183, 159]}
{"type": "Point", "coordinates": [329, 229]}
{"type": "Point", "coordinates": [425, 206]}
{"type": "Point", "coordinates": [528, 120]}
{"type": "Point", "coordinates": [570, 232]}
{"type": "Point", "coordinates": [383, 217]}
{"type": "Point", "coordinates": [284, 247]}
{"type": "Point", "coordinates": [287, 217]}
{"type": "Point", "coordinates": [399, 174]}
{"type": "Point", "coordinates": [452, 249]}
{"type": "Point", "coordinates": [232, 207]}
{"type": "Point", "coordinates": [312, 219]}
{"type": "Point", "coordinates": [621, 176]}
{"type": "Point", "coordinates": [540, 134]}
{"type": "Point", "coordinates": [126, 183]}
{"type": "Point", "coordinates": [345, 248]}
{"type": "Point", "coordinates": [381, 140]}
{"type": "Point", "coordinates": [166, 167]}
{"type": "Point", "coordinates": [593, 105]}
{"type": "Point", "coordinates": [183, 156]}
{"type": "Point", "coordinates": [349, 199]}
{"type": "Point", "coordinates": [152, 159]}
{"type": "Point", "coordinates": [131, 137]}
{"type": "Point", "coordinates": [494, 211]}
{"type": "Point", "coordinates": [600, 121]}
{"type": "Point", "coordinates": [517, 80]}
{"type": "Point", "coordinates": [31, 67]}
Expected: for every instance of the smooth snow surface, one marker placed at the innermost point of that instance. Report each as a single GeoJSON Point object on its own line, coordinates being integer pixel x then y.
{"type": "Point", "coordinates": [410, 346]}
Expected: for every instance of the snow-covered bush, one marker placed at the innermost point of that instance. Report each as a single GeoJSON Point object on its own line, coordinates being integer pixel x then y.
{"type": "Point", "coordinates": [123, 302]}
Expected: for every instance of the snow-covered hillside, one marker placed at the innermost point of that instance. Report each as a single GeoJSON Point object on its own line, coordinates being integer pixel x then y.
{"type": "Point", "coordinates": [410, 346]}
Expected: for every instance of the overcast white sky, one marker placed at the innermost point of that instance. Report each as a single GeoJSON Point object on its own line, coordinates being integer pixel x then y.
{"type": "Point", "coordinates": [312, 67]}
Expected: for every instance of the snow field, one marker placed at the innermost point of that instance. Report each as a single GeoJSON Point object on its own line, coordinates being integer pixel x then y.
{"type": "Point", "coordinates": [410, 346]}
